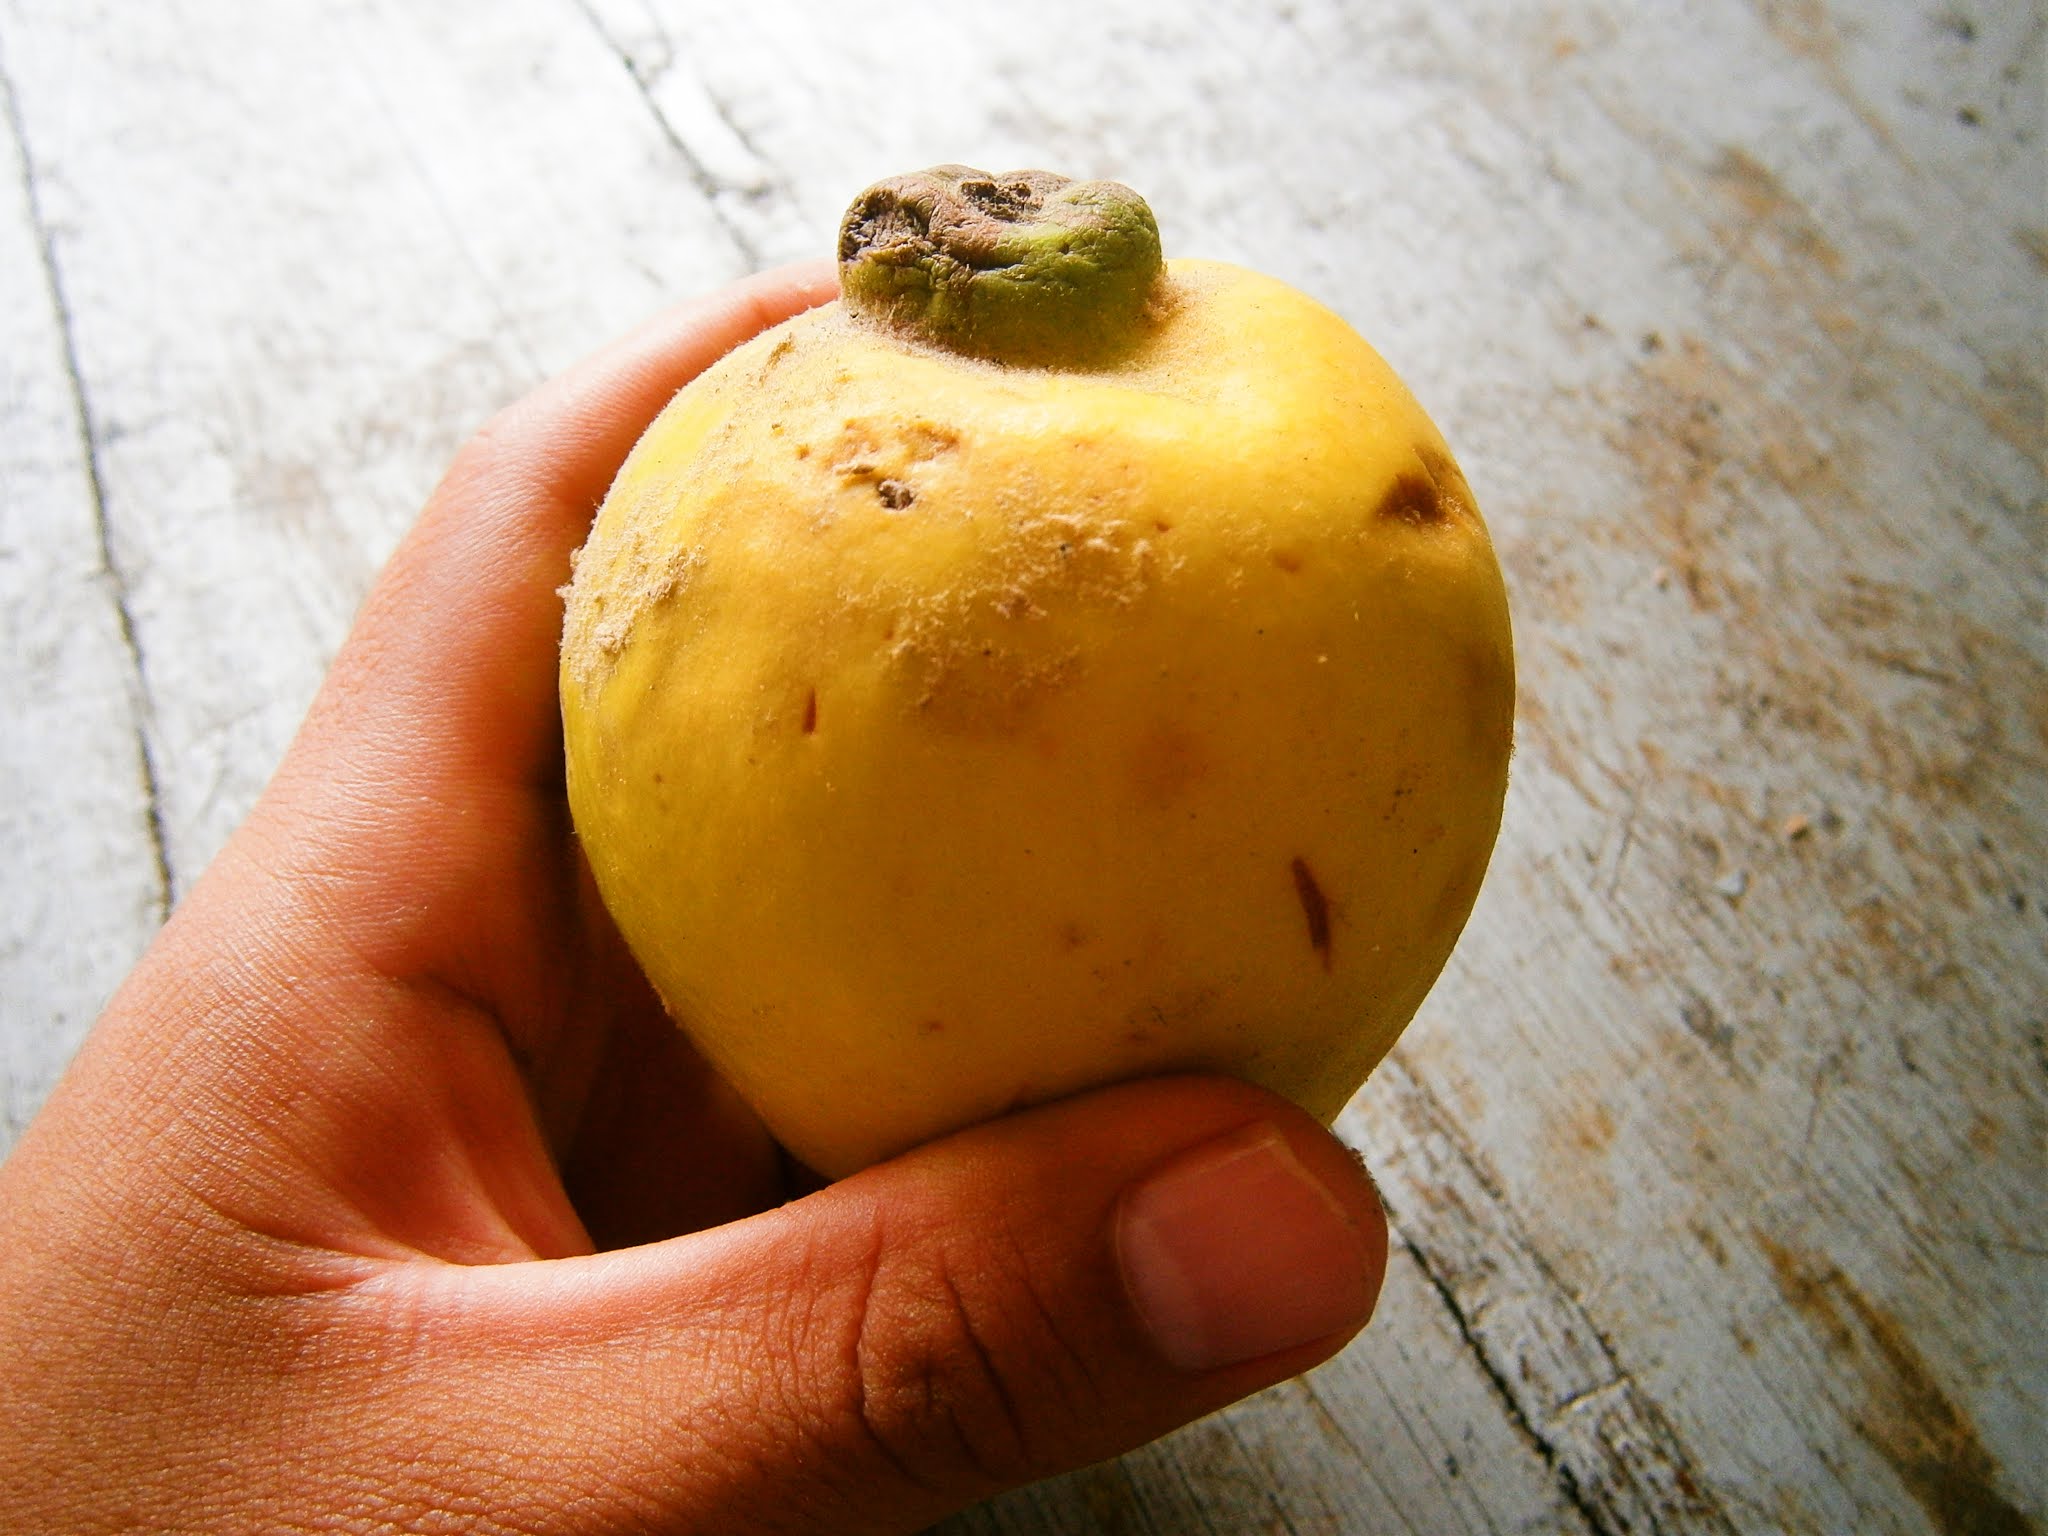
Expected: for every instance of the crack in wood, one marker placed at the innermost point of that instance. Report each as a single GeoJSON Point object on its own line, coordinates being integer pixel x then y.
{"type": "Point", "coordinates": [110, 569]}
{"type": "Point", "coordinates": [1617, 1459]}
{"type": "Point", "coordinates": [1467, 1330]}
{"type": "Point", "coordinates": [712, 187]}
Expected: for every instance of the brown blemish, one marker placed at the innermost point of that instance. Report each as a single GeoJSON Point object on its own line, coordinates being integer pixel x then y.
{"type": "Point", "coordinates": [932, 1027]}
{"type": "Point", "coordinates": [1433, 496]}
{"type": "Point", "coordinates": [1287, 560]}
{"type": "Point", "coordinates": [810, 712]}
{"type": "Point", "coordinates": [1412, 499]}
{"type": "Point", "coordinates": [883, 453]}
{"type": "Point", "coordinates": [1929, 1441]}
{"type": "Point", "coordinates": [926, 440]}
{"type": "Point", "coordinates": [1315, 906]}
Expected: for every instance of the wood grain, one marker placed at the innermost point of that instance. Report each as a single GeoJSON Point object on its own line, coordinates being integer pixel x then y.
{"type": "Point", "coordinates": [85, 887]}
{"type": "Point", "coordinates": [1717, 1159]}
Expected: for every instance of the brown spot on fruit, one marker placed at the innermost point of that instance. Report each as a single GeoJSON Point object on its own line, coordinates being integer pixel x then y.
{"type": "Point", "coordinates": [926, 440]}
{"type": "Point", "coordinates": [1411, 499]}
{"type": "Point", "coordinates": [1287, 560]}
{"type": "Point", "coordinates": [895, 494]}
{"type": "Point", "coordinates": [1429, 497]}
{"type": "Point", "coordinates": [810, 711]}
{"type": "Point", "coordinates": [1315, 907]}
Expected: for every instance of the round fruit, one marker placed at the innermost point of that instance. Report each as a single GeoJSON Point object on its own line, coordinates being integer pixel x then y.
{"type": "Point", "coordinates": [1044, 667]}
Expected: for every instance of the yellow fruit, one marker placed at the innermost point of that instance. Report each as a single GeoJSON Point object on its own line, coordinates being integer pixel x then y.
{"type": "Point", "coordinates": [948, 734]}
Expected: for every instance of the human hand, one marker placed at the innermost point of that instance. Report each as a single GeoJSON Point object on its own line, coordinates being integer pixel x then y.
{"type": "Point", "coordinates": [384, 1197]}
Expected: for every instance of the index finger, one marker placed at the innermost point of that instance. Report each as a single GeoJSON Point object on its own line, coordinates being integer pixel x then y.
{"type": "Point", "coordinates": [452, 661]}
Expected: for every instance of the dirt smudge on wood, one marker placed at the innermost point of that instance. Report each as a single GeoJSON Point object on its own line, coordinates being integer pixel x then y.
{"type": "Point", "coordinates": [1907, 1416]}
{"type": "Point", "coordinates": [1768, 209]}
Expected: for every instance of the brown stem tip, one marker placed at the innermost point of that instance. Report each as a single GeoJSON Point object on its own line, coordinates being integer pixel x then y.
{"type": "Point", "coordinates": [1026, 267]}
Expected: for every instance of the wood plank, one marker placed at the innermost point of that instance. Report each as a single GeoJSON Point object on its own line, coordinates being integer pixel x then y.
{"type": "Point", "coordinates": [1746, 1032]}
{"type": "Point", "coordinates": [85, 888]}
{"type": "Point", "coordinates": [1615, 1453]}
{"type": "Point", "coordinates": [288, 332]}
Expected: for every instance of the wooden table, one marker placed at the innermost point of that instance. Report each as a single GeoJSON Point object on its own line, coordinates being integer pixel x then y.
{"type": "Point", "coordinates": [1717, 1159]}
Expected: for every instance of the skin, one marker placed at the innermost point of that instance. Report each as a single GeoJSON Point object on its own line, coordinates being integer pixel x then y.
{"type": "Point", "coordinates": [383, 1197]}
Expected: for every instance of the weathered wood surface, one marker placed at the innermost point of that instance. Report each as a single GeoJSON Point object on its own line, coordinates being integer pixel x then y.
{"type": "Point", "coordinates": [1717, 1160]}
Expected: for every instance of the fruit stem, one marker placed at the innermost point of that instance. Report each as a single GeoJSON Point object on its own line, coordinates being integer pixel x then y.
{"type": "Point", "coordinates": [1027, 267]}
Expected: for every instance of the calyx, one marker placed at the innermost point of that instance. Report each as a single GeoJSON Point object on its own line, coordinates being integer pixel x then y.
{"type": "Point", "coordinates": [1025, 267]}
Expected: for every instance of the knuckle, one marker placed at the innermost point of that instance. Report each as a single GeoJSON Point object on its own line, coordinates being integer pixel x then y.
{"type": "Point", "coordinates": [960, 1370]}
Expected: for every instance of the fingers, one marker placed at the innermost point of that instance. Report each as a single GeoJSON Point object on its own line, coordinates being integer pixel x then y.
{"type": "Point", "coordinates": [449, 673]}
{"type": "Point", "coordinates": [418, 814]}
{"type": "Point", "coordinates": [1029, 1296]}
{"type": "Point", "coordinates": [558, 448]}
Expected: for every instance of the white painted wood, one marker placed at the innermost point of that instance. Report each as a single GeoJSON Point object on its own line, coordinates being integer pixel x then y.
{"type": "Point", "coordinates": [1717, 1158]}
{"type": "Point", "coordinates": [310, 250]}
{"type": "Point", "coordinates": [82, 891]}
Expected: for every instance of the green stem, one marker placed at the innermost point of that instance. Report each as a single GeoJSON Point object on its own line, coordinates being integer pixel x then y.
{"type": "Point", "coordinates": [1026, 267]}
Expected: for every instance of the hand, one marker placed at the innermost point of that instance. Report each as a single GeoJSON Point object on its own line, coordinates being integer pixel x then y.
{"type": "Point", "coordinates": [385, 1197]}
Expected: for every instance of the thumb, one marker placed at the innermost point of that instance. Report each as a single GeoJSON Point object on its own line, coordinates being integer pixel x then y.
{"type": "Point", "coordinates": [1025, 1297]}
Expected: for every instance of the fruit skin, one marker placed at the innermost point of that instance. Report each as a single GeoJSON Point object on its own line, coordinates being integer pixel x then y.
{"type": "Point", "coordinates": [946, 736]}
